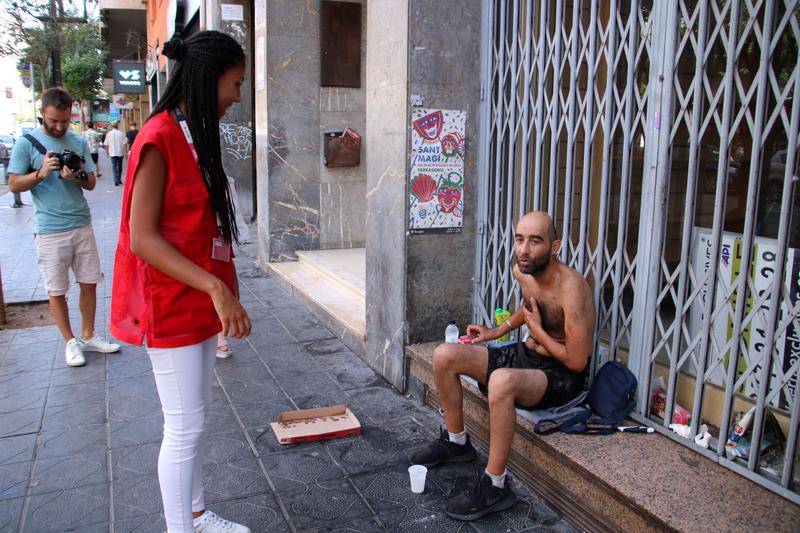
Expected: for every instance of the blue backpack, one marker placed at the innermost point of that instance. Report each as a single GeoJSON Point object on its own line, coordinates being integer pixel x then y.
{"type": "Point", "coordinates": [611, 398]}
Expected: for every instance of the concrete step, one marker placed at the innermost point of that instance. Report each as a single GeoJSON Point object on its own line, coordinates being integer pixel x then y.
{"type": "Point", "coordinates": [337, 305]}
{"type": "Point", "coordinates": [619, 482]}
{"type": "Point", "coordinates": [346, 268]}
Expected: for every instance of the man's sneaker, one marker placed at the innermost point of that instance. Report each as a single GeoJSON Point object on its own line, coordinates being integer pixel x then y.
{"type": "Point", "coordinates": [73, 353]}
{"type": "Point", "coordinates": [99, 344]}
{"type": "Point", "coordinates": [479, 500]}
{"type": "Point", "coordinates": [443, 451]}
{"type": "Point", "coordinates": [208, 522]}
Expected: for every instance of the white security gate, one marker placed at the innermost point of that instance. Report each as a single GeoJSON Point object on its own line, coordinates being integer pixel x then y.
{"type": "Point", "coordinates": [663, 138]}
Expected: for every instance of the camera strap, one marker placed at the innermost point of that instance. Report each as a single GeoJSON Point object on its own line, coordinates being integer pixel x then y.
{"type": "Point", "coordinates": [36, 144]}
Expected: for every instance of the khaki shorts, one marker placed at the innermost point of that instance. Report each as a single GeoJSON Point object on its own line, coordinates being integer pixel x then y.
{"type": "Point", "coordinates": [75, 249]}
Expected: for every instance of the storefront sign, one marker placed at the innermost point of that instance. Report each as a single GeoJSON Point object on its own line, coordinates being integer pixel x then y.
{"type": "Point", "coordinates": [436, 187]}
{"type": "Point", "coordinates": [121, 101]}
{"type": "Point", "coordinates": [129, 77]}
{"type": "Point", "coordinates": [754, 350]}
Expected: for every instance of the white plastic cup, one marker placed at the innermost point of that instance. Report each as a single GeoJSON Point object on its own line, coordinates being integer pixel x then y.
{"type": "Point", "coordinates": [417, 474]}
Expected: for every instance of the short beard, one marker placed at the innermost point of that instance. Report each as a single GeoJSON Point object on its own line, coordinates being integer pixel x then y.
{"type": "Point", "coordinates": [50, 132]}
{"type": "Point", "coordinates": [536, 267]}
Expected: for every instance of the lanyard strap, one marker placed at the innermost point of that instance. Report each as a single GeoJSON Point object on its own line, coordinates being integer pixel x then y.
{"type": "Point", "coordinates": [185, 128]}
{"type": "Point", "coordinates": [188, 134]}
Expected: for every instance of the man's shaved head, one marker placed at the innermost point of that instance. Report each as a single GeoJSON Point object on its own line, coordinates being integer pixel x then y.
{"type": "Point", "coordinates": [541, 218]}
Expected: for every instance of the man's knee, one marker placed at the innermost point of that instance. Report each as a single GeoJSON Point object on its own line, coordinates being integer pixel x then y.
{"type": "Point", "coordinates": [502, 386]}
{"type": "Point", "coordinates": [444, 356]}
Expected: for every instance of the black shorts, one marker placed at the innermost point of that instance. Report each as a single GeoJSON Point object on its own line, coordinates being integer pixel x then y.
{"type": "Point", "coordinates": [94, 158]}
{"type": "Point", "coordinates": [562, 383]}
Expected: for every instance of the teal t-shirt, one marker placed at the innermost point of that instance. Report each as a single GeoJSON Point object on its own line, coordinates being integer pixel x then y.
{"type": "Point", "coordinates": [59, 205]}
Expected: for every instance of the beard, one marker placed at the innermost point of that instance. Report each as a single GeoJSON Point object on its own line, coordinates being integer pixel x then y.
{"type": "Point", "coordinates": [535, 266]}
{"type": "Point", "coordinates": [52, 132]}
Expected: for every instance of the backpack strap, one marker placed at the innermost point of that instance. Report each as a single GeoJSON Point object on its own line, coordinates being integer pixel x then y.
{"type": "Point", "coordinates": [574, 424]}
{"type": "Point", "coordinates": [36, 144]}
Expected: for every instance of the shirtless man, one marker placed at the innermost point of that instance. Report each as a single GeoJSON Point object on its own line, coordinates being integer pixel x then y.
{"type": "Point", "coordinates": [547, 370]}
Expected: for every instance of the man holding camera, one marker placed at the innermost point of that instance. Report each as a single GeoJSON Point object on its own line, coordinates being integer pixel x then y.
{"type": "Point", "coordinates": [56, 165]}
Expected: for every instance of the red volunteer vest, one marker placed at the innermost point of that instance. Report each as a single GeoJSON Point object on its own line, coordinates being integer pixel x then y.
{"type": "Point", "coordinates": [146, 303]}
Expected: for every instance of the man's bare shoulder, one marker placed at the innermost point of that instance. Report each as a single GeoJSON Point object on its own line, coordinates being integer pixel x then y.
{"type": "Point", "coordinates": [573, 284]}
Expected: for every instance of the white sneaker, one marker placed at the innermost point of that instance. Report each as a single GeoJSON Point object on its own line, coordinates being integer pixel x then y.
{"type": "Point", "coordinates": [223, 353]}
{"type": "Point", "coordinates": [208, 522]}
{"type": "Point", "coordinates": [73, 353]}
{"type": "Point", "coordinates": [99, 344]}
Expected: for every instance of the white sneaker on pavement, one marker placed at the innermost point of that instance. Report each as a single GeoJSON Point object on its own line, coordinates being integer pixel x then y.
{"type": "Point", "coordinates": [99, 344]}
{"type": "Point", "coordinates": [73, 353]}
{"type": "Point", "coordinates": [208, 522]}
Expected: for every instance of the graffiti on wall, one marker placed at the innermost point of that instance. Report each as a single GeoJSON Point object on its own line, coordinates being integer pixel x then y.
{"type": "Point", "coordinates": [436, 203]}
{"type": "Point", "coordinates": [237, 140]}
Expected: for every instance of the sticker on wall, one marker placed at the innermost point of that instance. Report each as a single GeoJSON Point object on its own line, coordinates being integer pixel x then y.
{"type": "Point", "coordinates": [436, 203]}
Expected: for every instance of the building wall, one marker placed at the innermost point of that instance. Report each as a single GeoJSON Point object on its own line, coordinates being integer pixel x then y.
{"type": "Point", "coordinates": [236, 127]}
{"type": "Point", "coordinates": [310, 206]}
{"type": "Point", "coordinates": [342, 210]}
{"type": "Point", "coordinates": [444, 69]}
{"type": "Point", "coordinates": [386, 154]}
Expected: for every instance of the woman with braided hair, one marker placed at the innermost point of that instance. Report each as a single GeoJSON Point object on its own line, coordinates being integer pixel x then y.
{"type": "Point", "coordinates": [174, 280]}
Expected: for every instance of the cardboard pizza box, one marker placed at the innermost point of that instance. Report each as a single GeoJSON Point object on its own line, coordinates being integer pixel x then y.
{"type": "Point", "coordinates": [321, 423]}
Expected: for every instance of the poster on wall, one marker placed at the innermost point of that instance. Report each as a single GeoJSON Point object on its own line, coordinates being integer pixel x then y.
{"type": "Point", "coordinates": [100, 110]}
{"type": "Point", "coordinates": [436, 187]}
{"type": "Point", "coordinates": [754, 349]}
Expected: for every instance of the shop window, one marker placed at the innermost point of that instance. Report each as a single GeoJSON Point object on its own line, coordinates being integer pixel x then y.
{"type": "Point", "coordinates": [340, 44]}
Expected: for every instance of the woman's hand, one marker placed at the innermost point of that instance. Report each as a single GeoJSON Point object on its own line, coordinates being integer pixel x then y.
{"type": "Point", "coordinates": [235, 322]}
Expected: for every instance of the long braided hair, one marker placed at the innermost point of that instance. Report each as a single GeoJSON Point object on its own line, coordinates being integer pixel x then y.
{"type": "Point", "coordinates": [201, 60]}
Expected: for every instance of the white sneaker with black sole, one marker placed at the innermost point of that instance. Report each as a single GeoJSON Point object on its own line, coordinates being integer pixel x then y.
{"type": "Point", "coordinates": [73, 353]}
{"type": "Point", "coordinates": [208, 522]}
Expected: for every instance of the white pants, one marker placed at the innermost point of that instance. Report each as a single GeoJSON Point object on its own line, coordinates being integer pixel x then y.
{"type": "Point", "coordinates": [183, 378]}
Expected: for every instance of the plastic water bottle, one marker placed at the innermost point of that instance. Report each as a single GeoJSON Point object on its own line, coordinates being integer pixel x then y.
{"type": "Point", "coordinates": [451, 333]}
{"type": "Point", "coordinates": [500, 317]}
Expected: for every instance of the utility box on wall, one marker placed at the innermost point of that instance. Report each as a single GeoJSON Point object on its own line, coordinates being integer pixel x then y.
{"type": "Point", "coordinates": [340, 44]}
{"type": "Point", "coordinates": [341, 148]}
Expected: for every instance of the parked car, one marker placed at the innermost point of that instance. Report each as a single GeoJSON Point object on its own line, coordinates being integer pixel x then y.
{"type": "Point", "coordinates": [8, 140]}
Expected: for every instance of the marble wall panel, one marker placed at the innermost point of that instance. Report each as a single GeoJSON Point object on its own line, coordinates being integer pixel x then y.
{"type": "Point", "coordinates": [343, 214]}
{"type": "Point", "coordinates": [290, 17]}
{"type": "Point", "coordinates": [386, 147]}
{"type": "Point", "coordinates": [444, 68]}
{"type": "Point", "coordinates": [261, 128]}
{"type": "Point", "coordinates": [294, 219]}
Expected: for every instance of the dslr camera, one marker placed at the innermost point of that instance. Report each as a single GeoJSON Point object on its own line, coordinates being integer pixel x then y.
{"type": "Point", "coordinates": [72, 161]}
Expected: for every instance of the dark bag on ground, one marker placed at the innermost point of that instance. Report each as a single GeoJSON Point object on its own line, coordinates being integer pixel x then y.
{"type": "Point", "coordinates": [611, 398]}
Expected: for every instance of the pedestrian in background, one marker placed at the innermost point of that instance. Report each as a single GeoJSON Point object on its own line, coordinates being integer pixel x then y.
{"type": "Point", "coordinates": [115, 148]}
{"type": "Point", "coordinates": [93, 142]}
{"type": "Point", "coordinates": [131, 135]}
{"type": "Point", "coordinates": [64, 236]}
{"type": "Point", "coordinates": [174, 278]}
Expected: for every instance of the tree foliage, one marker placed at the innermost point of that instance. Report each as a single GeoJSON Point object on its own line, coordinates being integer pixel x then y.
{"type": "Point", "coordinates": [31, 34]}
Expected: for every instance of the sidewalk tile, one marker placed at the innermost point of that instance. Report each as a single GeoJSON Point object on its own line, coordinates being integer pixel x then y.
{"type": "Point", "coordinates": [133, 431]}
{"type": "Point", "coordinates": [18, 449]}
{"type": "Point", "coordinates": [301, 466]}
{"type": "Point", "coordinates": [325, 504]}
{"type": "Point", "coordinates": [13, 481]}
{"type": "Point", "coordinates": [20, 422]}
{"type": "Point", "coordinates": [64, 473]}
{"type": "Point", "coordinates": [69, 439]}
{"type": "Point", "coordinates": [81, 509]}
{"type": "Point", "coordinates": [259, 513]}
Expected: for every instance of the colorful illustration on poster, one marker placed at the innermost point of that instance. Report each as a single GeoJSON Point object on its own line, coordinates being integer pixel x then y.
{"type": "Point", "coordinates": [436, 203]}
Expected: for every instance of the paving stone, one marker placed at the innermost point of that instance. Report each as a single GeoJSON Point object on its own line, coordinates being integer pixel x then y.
{"type": "Point", "coordinates": [133, 406]}
{"type": "Point", "coordinates": [288, 358]}
{"type": "Point", "coordinates": [13, 481]}
{"type": "Point", "coordinates": [10, 512]}
{"type": "Point", "coordinates": [301, 384]}
{"type": "Point", "coordinates": [132, 431]}
{"type": "Point", "coordinates": [17, 449]}
{"type": "Point", "coordinates": [80, 509]}
{"type": "Point", "coordinates": [58, 416]}
{"type": "Point", "coordinates": [244, 391]}
{"type": "Point", "coordinates": [78, 375]}
{"type": "Point", "coordinates": [261, 414]}
{"type": "Point", "coordinates": [20, 422]}
{"type": "Point", "coordinates": [259, 513]}
{"type": "Point", "coordinates": [324, 504]}
{"type": "Point", "coordinates": [71, 439]}
{"type": "Point", "coordinates": [136, 496]}
{"type": "Point", "coordinates": [136, 461]}
{"type": "Point", "coordinates": [130, 365]}
{"type": "Point", "coordinates": [64, 473]}
{"type": "Point", "coordinates": [301, 466]}
{"type": "Point", "coordinates": [362, 525]}
{"type": "Point", "coordinates": [26, 381]}
{"type": "Point", "coordinates": [326, 346]}
{"type": "Point", "coordinates": [78, 394]}
{"type": "Point", "coordinates": [251, 372]}
{"type": "Point", "coordinates": [148, 523]}
{"type": "Point", "coordinates": [227, 448]}
{"type": "Point", "coordinates": [233, 479]}
{"type": "Point", "coordinates": [11, 401]}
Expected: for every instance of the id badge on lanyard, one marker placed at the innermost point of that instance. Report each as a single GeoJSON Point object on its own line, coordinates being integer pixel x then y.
{"type": "Point", "coordinates": [220, 248]}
